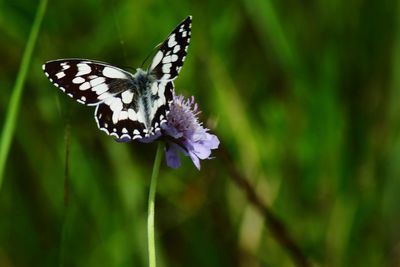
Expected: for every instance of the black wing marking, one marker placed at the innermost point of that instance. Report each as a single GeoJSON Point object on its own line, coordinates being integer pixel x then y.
{"type": "Point", "coordinates": [125, 120]}
{"type": "Point", "coordinates": [169, 59]}
{"type": "Point", "coordinates": [88, 82]}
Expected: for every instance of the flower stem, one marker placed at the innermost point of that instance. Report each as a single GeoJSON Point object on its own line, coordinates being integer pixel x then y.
{"type": "Point", "coordinates": [150, 216]}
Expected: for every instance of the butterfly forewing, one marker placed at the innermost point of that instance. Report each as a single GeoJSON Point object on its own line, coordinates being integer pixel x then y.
{"type": "Point", "coordinates": [88, 82]}
{"type": "Point", "coordinates": [170, 56]}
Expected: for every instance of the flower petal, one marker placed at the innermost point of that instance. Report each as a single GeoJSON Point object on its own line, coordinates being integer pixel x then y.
{"type": "Point", "coordinates": [172, 155]}
{"type": "Point", "coordinates": [203, 147]}
{"type": "Point", "coordinates": [195, 159]}
{"type": "Point", "coordinates": [171, 131]}
{"type": "Point", "coordinates": [213, 141]}
{"type": "Point", "coordinates": [202, 151]}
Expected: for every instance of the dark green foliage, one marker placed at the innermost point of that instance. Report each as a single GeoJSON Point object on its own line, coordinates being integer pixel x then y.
{"type": "Point", "coordinates": [303, 95]}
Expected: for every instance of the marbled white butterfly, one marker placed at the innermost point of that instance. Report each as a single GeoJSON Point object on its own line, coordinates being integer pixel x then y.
{"type": "Point", "coordinates": [128, 106]}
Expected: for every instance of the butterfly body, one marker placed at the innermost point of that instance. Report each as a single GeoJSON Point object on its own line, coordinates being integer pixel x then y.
{"type": "Point", "coordinates": [128, 106]}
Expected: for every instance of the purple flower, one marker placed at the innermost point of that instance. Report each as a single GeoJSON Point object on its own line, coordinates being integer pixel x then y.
{"type": "Point", "coordinates": [184, 133]}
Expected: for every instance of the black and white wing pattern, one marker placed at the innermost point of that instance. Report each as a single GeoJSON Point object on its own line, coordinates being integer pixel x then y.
{"type": "Point", "coordinates": [169, 58]}
{"type": "Point", "coordinates": [88, 82]}
{"type": "Point", "coordinates": [128, 106]}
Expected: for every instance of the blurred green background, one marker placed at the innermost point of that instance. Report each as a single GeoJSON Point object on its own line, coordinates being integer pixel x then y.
{"type": "Point", "coordinates": [304, 96]}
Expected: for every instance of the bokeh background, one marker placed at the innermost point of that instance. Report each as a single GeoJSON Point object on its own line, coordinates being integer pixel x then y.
{"type": "Point", "coordinates": [304, 96]}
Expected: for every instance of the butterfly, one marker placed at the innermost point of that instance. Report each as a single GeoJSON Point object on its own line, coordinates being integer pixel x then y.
{"type": "Point", "coordinates": [128, 106]}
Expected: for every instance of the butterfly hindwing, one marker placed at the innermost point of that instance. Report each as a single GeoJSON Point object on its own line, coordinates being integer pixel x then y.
{"type": "Point", "coordinates": [88, 82]}
{"type": "Point", "coordinates": [169, 58]}
{"type": "Point", "coordinates": [126, 121]}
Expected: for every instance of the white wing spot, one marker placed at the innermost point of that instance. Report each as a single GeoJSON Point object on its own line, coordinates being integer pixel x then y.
{"type": "Point", "coordinates": [97, 81]}
{"type": "Point", "coordinates": [174, 58]}
{"type": "Point", "coordinates": [123, 115]}
{"type": "Point", "coordinates": [78, 80]}
{"type": "Point", "coordinates": [82, 72]}
{"type": "Point", "coordinates": [113, 73]}
{"type": "Point", "coordinates": [60, 75]}
{"type": "Point", "coordinates": [157, 59]}
{"type": "Point", "coordinates": [124, 130]}
{"type": "Point", "coordinates": [83, 69]}
{"type": "Point", "coordinates": [166, 59]}
{"type": "Point", "coordinates": [84, 86]}
{"type": "Point", "coordinates": [166, 68]}
{"type": "Point", "coordinates": [171, 41]}
{"type": "Point", "coordinates": [107, 97]}
{"type": "Point", "coordinates": [176, 49]}
{"type": "Point", "coordinates": [166, 76]}
{"type": "Point", "coordinates": [115, 116]}
{"type": "Point", "coordinates": [100, 89]}
{"type": "Point", "coordinates": [154, 88]}
{"type": "Point", "coordinates": [116, 104]}
{"type": "Point", "coordinates": [65, 66]}
{"type": "Point", "coordinates": [127, 97]}
{"type": "Point", "coordinates": [132, 114]}
{"type": "Point", "coordinates": [161, 89]}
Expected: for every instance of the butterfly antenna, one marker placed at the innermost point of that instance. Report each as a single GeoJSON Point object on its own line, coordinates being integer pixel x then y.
{"type": "Point", "coordinates": [150, 54]}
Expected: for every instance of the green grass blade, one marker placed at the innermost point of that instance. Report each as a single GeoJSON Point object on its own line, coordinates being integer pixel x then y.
{"type": "Point", "coordinates": [12, 111]}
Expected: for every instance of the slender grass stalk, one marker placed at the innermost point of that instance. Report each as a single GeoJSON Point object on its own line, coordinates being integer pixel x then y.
{"type": "Point", "coordinates": [12, 110]}
{"type": "Point", "coordinates": [66, 194]}
{"type": "Point", "coordinates": [150, 216]}
{"type": "Point", "coordinates": [277, 227]}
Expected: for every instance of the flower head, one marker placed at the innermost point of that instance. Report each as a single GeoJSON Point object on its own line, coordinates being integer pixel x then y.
{"type": "Point", "coordinates": [186, 134]}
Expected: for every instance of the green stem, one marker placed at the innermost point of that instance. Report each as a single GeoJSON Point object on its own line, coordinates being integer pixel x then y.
{"type": "Point", "coordinates": [152, 196]}
{"type": "Point", "coordinates": [12, 111]}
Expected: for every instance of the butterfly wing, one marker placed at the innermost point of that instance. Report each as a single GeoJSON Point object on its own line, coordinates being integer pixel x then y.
{"type": "Point", "coordinates": [120, 116]}
{"type": "Point", "coordinates": [169, 58]}
{"type": "Point", "coordinates": [88, 82]}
